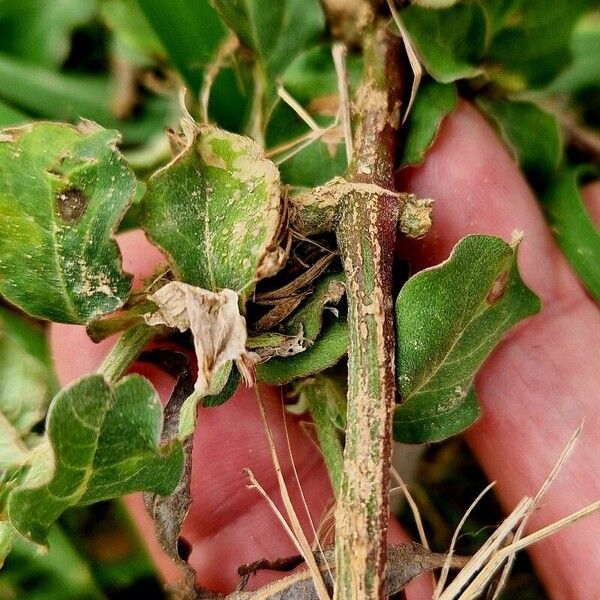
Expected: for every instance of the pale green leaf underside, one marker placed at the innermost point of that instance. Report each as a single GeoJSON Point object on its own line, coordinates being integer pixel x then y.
{"type": "Point", "coordinates": [24, 386]}
{"type": "Point", "coordinates": [449, 319]}
{"type": "Point", "coordinates": [63, 190]}
{"type": "Point", "coordinates": [215, 210]}
{"type": "Point", "coordinates": [105, 444]}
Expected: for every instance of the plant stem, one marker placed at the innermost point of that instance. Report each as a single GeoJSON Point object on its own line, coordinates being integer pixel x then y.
{"type": "Point", "coordinates": [318, 394]}
{"type": "Point", "coordinates": [126, 350]}
{"type": "Point", "coordinates": [366, 233]}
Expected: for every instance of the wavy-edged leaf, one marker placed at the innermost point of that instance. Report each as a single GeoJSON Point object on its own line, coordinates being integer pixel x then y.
{"type": "Point", "coordinates": [433, 103]}
{"type": "Point", "coordinates": [449, 319]}
{"type": "Point", "coordinates": [216, 210]}
{"type": "Point", "coordinates": [63, 190]}
{"type": "Point", "coordinates": [576, 233]}
{"type": "Point", "coordinates": [450, 41]}
{"type": "Point", "coordinates": [105, 444]}
{"type": "Point", "coordinates": [326, 351]}
{"type": "Point", "coordinates": [276, 31]}
{"type": "Point", "coordinates": [532, 134]}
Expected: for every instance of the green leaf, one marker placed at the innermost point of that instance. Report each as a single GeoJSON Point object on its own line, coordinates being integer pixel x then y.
{"type": "Point", "coordinates": [433, 103]}
{"type": "Point", "coordinates": [62, 573]}
{"type": "Point", "coordinates": [134, 38]}
{"type": "Point", "coordinates": [63, 191]}
{"type": "Point", "coordinates": [68, 97]}
{"type": "Point", "coordinates": [532, 135]}
{"type": "Point", "coordinates": [276, 31]}
{"type": "Point", "coordinates": [531, 42]}
{"type": "Point", "coordinates": [39, 31]}
{"type": "Point", "coordinates": [448, 320]}
{"type": "Point", "coordinates": [189, 31]}
{"type": "Point", "coordinates": [325, 398]}
{"type": "Point", "coordinates": [309, 317]}
{"type": "Point", "coordinates": [326, 351]}
{"type": "Point", "coordinates": [576, 233]}
{"type": "Point", "coordinates": [105, 444]}
{"type": "Point", "coordinates": [24, 397]}
{"type": "Point", "coordinates": [10, 116]}
{"type": "Point", "coordinates": [584, 70]}
{"type": "Point", "coordinates": [7, 538]}
{"type": "Point", "coordinates": [231, 385]}
{"type": "Point", "coordinates": [450, 42]}
{"type": "Point", "coordinates": [215, 209]}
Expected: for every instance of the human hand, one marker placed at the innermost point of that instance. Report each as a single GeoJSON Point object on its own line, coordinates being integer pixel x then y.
{"type": "Point", "coordinates": [535, 389]}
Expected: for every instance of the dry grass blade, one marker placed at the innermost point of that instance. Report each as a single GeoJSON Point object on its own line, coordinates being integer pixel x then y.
{"type": "Point", "coordinates": [229, 45]}
{"type": "Point", "coordinates": [316, 543]}
{"type": "Point", "coordinates": [413, 508]}
{"type": "Point", "coordinates": [298, 533]}
{"type": "Point", "coordinates": [338, 51]}
{"type": "Point", "coordinates": [298, 108]}
{"type": "Point", "coordinates": [564, 456]}
{"type": "Point", "coordinates": [413, 59]}
{"type": "Point", "coordinates": [487, 572]}
{"type": "Point", "coordinates": [446, 568]}
{"type": "Point", "coordinates": [302, 281]}
{"type": "Point", "coordinates": [282, 309]}
{"type": "Point", "coordinates": [483, 555]}
{"type": "Point", "coordinates": [256, 485]}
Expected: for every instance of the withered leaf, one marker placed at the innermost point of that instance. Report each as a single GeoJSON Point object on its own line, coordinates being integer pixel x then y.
{"type": "Point", "coordinates": [214, 319]}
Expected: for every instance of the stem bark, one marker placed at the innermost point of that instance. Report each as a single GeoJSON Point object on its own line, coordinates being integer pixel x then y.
{"type": "Point", "coordinates": [366, 233]}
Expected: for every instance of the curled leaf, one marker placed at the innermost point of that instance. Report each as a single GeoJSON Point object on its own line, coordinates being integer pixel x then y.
{"type": "Point", "coordinates": [327, 350]}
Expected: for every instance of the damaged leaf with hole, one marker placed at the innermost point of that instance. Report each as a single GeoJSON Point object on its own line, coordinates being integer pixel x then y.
{"type": "Point", "coordinates": [63, 191]}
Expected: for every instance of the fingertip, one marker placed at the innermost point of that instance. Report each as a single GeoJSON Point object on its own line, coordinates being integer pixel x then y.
{"type": "Point", "coordinates": [139, 256]}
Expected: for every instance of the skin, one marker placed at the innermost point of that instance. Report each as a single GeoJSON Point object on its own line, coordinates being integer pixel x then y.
{"type": "Point", "coordinates": [535, 389]}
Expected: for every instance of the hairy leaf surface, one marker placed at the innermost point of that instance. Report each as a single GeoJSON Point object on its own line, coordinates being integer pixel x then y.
{"type": "Point", "coordinates": [449, 318]}
{"type": "Point", "coordinates": [104, 444]}
{"type": "Point", "coordinates": [326, 351]}
{"type": "Point", "coordinates": [63, 191]}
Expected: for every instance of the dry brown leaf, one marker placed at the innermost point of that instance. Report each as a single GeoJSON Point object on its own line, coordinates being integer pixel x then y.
{"type": "Point", "coordinates": [213, 318]}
